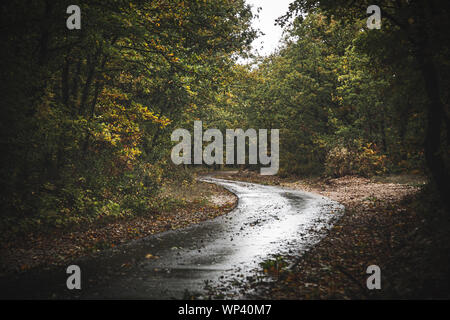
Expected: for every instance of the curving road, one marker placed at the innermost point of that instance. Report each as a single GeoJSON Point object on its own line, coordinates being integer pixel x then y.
{"type": "Point", "coordinates": [267, 221]}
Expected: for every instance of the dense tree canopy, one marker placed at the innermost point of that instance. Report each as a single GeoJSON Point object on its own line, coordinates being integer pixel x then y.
{"type": "Point", "coordinates": [411, 51]}
{"type": "Point", "coordinates": [86, 115]}
{"type": "Point", "coordinates": [352, 100]}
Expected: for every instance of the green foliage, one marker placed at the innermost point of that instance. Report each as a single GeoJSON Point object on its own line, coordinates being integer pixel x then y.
{"type": "Point", "coordinates": [403, 70]}
{"type": "Point", "coordinates": [86, 114]}
{"type": "Point", "coordinates": [343, 101]}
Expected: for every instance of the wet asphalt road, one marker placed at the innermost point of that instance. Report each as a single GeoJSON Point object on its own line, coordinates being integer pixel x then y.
{"type": "Point", "coordinates": [267, 221]}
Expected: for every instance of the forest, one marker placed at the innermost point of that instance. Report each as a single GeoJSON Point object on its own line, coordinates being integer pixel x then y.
{"type": "Point", "coordinates": [87, 114]}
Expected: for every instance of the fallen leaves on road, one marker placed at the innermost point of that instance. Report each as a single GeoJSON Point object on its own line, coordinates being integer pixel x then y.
{"type": "Point", "coordinates": [399, 227]}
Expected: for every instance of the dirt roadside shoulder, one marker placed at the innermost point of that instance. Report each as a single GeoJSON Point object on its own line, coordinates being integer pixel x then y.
{"type": "Point", "coordinates": [392, 222]}
{"type": "Point", "coordinates": [198, 202]}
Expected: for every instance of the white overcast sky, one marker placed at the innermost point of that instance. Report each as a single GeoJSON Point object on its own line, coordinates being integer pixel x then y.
{"type": "Point", "coordinates": [271, 10]}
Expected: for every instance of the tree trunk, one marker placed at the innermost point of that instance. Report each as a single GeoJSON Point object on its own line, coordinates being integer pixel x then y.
{"type": "Point", "coordinates": [435, 114]}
